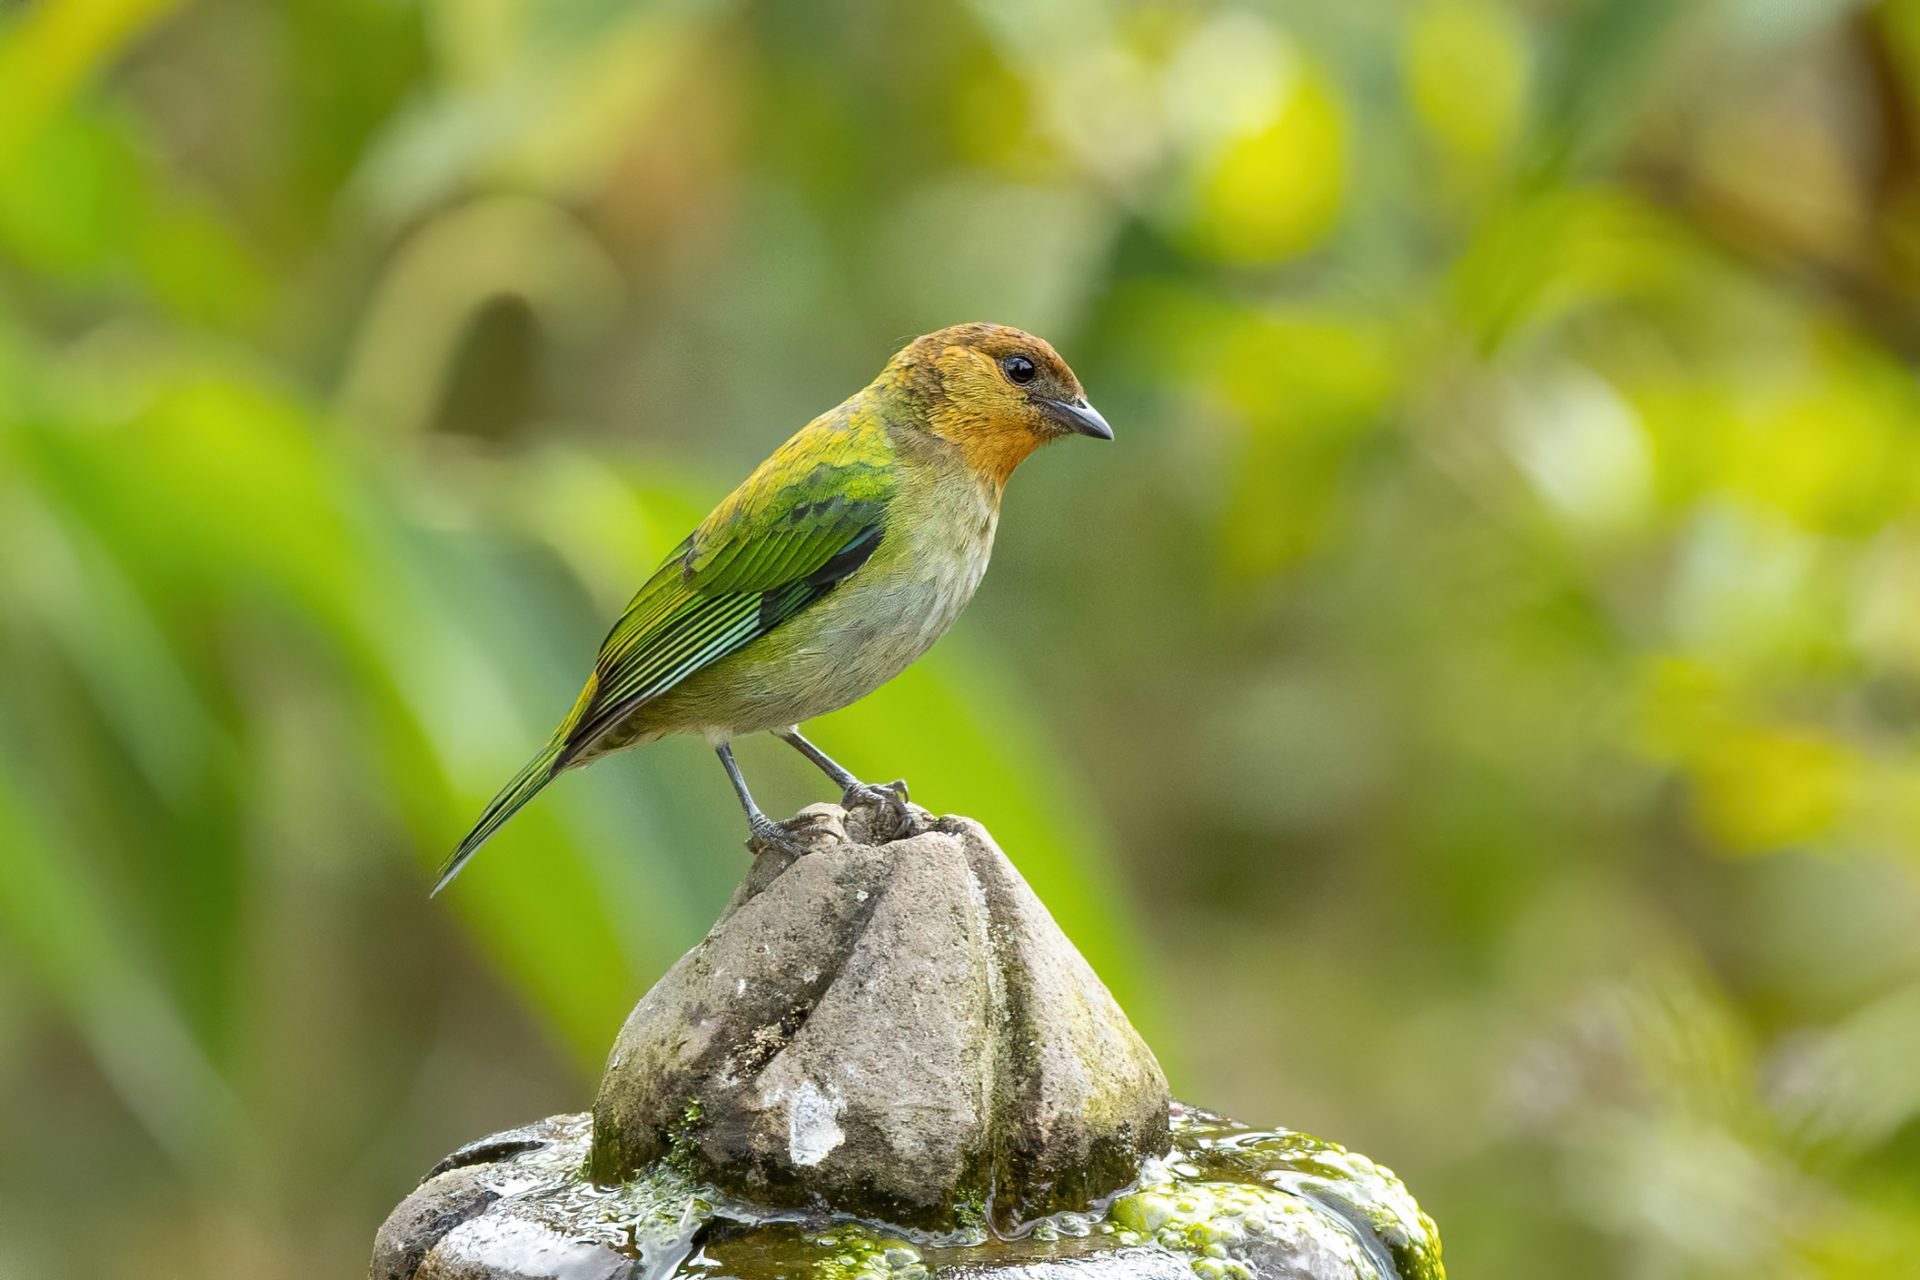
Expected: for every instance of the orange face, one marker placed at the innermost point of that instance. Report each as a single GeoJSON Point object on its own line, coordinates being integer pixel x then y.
{"type": "Point", "coordinates": [998, 393]}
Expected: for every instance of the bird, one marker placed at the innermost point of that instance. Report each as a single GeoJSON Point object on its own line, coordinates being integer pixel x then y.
{"type": "Point", "coordinates": [832, 568]}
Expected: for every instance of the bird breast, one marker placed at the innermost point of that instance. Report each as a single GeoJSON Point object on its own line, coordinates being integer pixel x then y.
{"type": "Point", "coordinates": [873, 626]}
{"type": "Point", "coordinates": [889, 618]}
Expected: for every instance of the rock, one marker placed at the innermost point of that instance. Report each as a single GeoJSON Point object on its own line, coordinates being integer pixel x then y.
{"type": "Point", "coordinates": [885, 1062]}
{"type": "Point", "coordinates": [891, 1029]}
{"type": "Point", "coordinates": [1228, 1203]}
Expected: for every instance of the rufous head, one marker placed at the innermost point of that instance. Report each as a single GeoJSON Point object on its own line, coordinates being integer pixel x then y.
{"type": "Point", "coordinates": [997, 392]}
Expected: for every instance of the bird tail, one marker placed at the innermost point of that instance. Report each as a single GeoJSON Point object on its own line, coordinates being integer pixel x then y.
{"type": "Point", "coordinates": [526, 784]}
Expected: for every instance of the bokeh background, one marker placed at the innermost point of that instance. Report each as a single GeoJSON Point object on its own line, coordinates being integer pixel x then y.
{"type": "Point", "coordinates": [1471, 713]}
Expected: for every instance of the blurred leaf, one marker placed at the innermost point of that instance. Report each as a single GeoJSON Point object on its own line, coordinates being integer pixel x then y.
{"type": "Point", "coordinates": [54, 922]}
{"type": "Point", "coordinates": [51, 49]}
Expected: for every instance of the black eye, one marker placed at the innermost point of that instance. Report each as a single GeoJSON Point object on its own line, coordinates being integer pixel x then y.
{"type": "Point", "coordinates": [1019, 370]}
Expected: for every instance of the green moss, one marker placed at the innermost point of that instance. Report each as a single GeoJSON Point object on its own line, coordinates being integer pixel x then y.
{"type": "Point", "coordinates": [1222, 1227]}
{"type": "Point", "coordinates": [970, 1218]}
{"type": "Point", "coordinates": [680, 1139]}
{"type": "Point", "coordinates": [1229, 1191]}
{"type": "Point", "coordinates": [857, 1253]}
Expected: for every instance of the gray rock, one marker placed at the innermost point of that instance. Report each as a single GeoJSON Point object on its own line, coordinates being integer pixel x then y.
{"type": "Point", "coordinates": [892, 1029]}
{"type": "Point", "coordinates": [423, 1220]}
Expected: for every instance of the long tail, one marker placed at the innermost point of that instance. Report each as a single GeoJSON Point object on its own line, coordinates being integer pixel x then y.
{"type": "Point", "coordinates": [526, 784]}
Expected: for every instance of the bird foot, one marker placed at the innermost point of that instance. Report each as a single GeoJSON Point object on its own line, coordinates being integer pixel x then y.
{"type": "Point", "coordinates": [891, 816]}
{"type": "Point", "coordinates": [792, 837]}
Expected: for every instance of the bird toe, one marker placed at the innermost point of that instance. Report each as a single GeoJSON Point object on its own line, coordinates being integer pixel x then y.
{"type": "Point", "coordinates": [795, 837]}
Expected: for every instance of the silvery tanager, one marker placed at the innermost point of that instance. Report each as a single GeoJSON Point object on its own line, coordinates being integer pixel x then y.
{"type": "Point", "coordinates": [839, 561]}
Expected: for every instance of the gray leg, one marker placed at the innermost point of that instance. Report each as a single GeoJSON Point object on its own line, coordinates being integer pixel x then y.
{"type": "Point", "coordinates": [852, 791]}
{"type": "Point", "coordinates": [824, 762]}
{"type": "Point", "coordinates": [765, 832]}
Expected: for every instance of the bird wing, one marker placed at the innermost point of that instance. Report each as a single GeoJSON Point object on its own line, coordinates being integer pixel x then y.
{"type": "Point", "coordinates": [801, 523]}
{"type": "Point", "coordinates": [809, 516]}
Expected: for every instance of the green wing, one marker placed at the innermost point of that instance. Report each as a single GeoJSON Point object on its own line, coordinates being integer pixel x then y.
{"type": "Point", "coordinates": [711, 610]}
{"type": "Point", "coordinates": [809, 516]}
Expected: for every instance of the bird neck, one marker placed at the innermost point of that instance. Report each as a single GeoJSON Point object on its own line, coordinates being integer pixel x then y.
{"type": "Point", "coordinates": [992, 449]}
{"type": "Point", "coordinates": [991, 446]}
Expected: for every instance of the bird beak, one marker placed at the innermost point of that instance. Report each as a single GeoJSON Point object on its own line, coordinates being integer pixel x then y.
{"type": "Point", "coordinates": [1079, 416]}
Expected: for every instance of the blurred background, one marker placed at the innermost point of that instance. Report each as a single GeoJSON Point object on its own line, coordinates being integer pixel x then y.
{"type": "Point", "coordinates": [1472, 713]}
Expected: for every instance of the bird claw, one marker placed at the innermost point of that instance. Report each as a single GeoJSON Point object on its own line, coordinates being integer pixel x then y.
{"type": "Point", "coordinates": [791, 837]}
{"type": "Point", "coordinates": [894, 817]}
{"type": "Point", "coordinates": [892, 794]}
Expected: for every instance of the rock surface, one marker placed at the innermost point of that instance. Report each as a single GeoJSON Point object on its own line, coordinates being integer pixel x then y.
{"type": "Point", "coordinates": [890, 1028]}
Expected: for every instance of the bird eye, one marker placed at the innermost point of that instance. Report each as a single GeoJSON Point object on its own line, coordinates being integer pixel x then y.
{"type": "Point", "coordinates": [1019, 370]}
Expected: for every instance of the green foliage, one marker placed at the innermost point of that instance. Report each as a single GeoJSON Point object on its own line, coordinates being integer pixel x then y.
{"type": "Point", "coordinates": [1470, 712]}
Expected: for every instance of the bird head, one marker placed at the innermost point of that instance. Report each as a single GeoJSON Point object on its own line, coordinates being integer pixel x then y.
{"type": "Point", "coordinates": [995, 392]}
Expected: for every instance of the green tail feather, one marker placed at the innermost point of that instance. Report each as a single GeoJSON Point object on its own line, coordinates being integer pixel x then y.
{"type": "Point", "coordinates": [526, 784]}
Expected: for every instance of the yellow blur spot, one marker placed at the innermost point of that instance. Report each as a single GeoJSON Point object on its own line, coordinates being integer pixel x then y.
{"type": "Point", "coordinates": [1466, 70]}
{"type": "Point", "coordinates": [1684, 703]}
{"type": "Point", "coordinates": [1274, 192]}
{"type": "Point", "coordinates": [1831, 458]}
{"type": "Point", "coordinates": [1768, 789]}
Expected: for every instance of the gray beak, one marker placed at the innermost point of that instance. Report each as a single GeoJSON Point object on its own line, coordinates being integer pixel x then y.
{"type": "Point", "coordinates": [1079, 416]}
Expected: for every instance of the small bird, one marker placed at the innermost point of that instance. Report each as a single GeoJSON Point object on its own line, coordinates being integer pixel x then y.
{"type": "Point", "coordinates": [835, 565]}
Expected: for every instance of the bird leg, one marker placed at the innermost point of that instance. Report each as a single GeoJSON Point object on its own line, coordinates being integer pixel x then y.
{"type": "Point", "coordinates": [891, 798]}
{"type": "Point", "coordinates": [764, 832]}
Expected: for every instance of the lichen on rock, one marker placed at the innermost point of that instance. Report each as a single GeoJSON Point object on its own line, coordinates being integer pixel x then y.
{"type": "Point", "coordinates": [1245, 1204]}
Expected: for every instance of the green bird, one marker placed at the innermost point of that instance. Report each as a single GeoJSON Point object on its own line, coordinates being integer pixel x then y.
{"type": "Point", "coordinates": [839, 561]}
